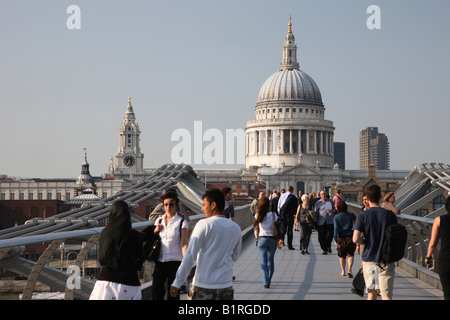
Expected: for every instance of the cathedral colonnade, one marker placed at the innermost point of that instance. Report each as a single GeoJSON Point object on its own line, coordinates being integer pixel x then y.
{"type": "Point", "coordinates": [267, 141]}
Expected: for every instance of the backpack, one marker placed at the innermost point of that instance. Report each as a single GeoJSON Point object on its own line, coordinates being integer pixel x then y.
{"type": "Point", "coordinates": [394, 242]}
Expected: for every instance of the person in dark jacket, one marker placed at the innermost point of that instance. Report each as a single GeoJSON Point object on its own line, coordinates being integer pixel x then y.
{"type": "Point", "coordinates": [120, 256]}
{"type": "Point", "coordinates": [288, 210]}
{"type": "Point", "coordinates": [274, 202]}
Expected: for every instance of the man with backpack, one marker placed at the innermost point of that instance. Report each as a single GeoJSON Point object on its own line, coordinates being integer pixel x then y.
{"type": "Point", "coordinates": [378, 274]}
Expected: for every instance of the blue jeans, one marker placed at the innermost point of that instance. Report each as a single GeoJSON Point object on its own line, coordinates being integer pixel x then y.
{"type": "Point", "coordinates": [267, 248]}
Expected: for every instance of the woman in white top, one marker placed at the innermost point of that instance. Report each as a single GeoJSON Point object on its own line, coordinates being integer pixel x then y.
{"type": "Point", "coordinates": [266, 240]}
{"type": "Point", "coordinates": [173, 231]}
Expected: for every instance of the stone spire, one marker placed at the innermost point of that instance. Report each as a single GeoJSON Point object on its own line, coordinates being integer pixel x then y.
{"type": "Point", "coordinates": [129, 112]}
{"type": "Point", "coordinates": [289, 50]}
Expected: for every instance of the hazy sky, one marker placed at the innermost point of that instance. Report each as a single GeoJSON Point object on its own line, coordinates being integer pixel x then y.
{"type": "Point", "coordinates": [63, 90]}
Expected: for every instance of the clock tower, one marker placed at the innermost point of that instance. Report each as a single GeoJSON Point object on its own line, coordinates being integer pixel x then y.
{"type": "Point", "coordinates": [129, 159]}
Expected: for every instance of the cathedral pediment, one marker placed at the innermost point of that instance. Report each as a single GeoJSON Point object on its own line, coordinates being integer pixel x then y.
{"type": "Point", "coordinates": [299, 169]}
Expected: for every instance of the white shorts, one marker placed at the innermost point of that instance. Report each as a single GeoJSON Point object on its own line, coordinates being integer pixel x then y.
{"type": "Point", "coordinates": [107, 290]}
{"type": "Point", "coordinates": [379, 280]}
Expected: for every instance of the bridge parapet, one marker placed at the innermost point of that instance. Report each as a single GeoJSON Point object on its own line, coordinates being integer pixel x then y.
{"type": "Point", "coordinates": [82, 224]}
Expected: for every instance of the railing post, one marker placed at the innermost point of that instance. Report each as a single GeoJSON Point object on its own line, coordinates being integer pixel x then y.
{"type": "Point", "coordinates": [70, 293]}
{"type": "Point", "coordinates": [37, 268]}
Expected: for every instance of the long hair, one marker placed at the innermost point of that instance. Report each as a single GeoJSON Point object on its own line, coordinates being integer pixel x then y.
{"type": "Point", "coordinates": [115, 233]}
{"type": "Point", "coordinates": [262, 209]}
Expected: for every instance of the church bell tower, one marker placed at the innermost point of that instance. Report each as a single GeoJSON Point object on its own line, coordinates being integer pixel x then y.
{"type": "Point", "coordinates": [129, 159]}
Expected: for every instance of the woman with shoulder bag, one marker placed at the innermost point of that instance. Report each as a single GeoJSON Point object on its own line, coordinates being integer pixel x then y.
{"type": "Point", "coordinates": [304, 216]}
{"type": "Point", "coordinates": [173, 233]}
{"type": "Point", "coordinates": [265, 234]}
{"type": "Point", "coordinates": [343, 232]}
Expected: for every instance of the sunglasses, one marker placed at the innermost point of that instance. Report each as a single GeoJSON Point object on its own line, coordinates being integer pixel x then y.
{"type": "Point", "coordinates": [171, 204]}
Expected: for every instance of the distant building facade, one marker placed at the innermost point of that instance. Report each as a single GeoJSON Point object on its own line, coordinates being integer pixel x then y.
{"type": "Point", "coordinates": [339, 154]}
{"type": "Point", "coordinates": [373, 149]}
{"type": "Point", "coordinates": [24, 199]}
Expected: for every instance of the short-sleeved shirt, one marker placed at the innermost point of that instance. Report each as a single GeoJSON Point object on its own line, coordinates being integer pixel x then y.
{"type": "Point", "coordinates": [265, 226]}
{"type": "Point", "coordinates": [372, 223]}
{"type": "Point", "coordinates": [321, 208]}
{"type": "Point", "coordinates": [171, 239]}
{"type": "Point", "coordinates": [343, 225]}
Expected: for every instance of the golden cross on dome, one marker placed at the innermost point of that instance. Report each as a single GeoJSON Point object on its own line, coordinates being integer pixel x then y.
{"type": "Point", "coordinates": [290, 25]}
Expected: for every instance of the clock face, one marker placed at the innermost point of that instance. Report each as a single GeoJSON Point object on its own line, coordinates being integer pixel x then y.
{"type": "Point", "coordinates": [129, 161]}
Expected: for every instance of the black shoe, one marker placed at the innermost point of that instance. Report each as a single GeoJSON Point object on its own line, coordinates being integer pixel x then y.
{"type": "Point", "coordinates": [182, 290]}
{"type": "Point", "coordinates": [329, 250]}
{"type": "Point", "coordinates": [267, 286]}
{"type": "Point", "coordinates": [303, 252]}
{"type": "Point", "coordinates": [291, 248]}
{"type": "Point", "coordinates": [325, 252]}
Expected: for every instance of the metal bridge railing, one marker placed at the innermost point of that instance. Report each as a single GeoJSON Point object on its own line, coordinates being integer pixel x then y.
{"type": "Point", "coordinates": [62, 281]}
{"type": "Point", "coordinates": [419, 234]}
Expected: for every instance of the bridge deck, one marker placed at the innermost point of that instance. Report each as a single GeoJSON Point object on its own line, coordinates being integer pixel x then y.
{"type": "Point", "coordinates": [312, 277]}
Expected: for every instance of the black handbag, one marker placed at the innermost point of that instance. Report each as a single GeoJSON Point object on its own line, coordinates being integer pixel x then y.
{"type": "Point", "coordinates": [152, 244]}
{"type": "Point", "coordinates": [152, 248]}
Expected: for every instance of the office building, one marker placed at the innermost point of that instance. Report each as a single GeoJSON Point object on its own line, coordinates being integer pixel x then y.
{"type": "Point", "coordinates": [373, 149]}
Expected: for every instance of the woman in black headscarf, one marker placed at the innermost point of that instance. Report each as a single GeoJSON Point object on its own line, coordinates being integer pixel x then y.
{"type": "Point", "coordinates": [120, 256]}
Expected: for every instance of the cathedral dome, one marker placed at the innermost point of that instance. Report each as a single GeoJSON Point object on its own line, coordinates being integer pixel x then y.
{"type": "Point", "coordinates": [289, 127]}
{"type": "Point", "coordinates": [290, 85]}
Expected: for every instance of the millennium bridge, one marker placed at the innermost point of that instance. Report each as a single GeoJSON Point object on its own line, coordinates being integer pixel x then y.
{"type": "Point", "coordinates": [297, 277]}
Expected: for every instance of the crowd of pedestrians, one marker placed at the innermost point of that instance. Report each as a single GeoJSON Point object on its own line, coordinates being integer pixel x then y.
{"type": "Point", "coordinates": [215, 243]}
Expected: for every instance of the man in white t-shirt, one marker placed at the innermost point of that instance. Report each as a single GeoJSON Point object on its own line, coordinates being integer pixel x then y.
{"type": "Point", "coordinates": [215, 243]}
